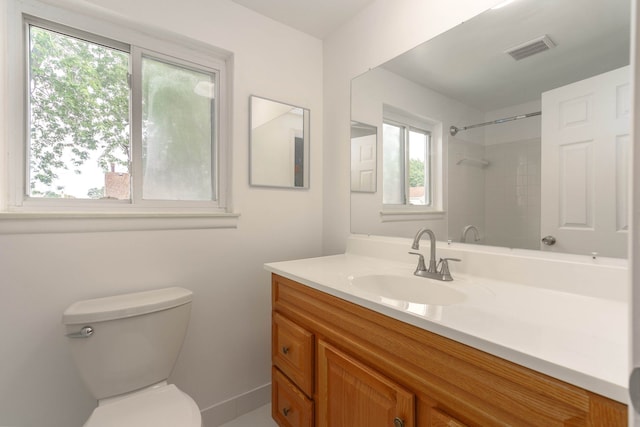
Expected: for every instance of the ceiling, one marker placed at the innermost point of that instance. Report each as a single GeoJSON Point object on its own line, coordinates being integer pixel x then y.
{"type": "Point", "coordinates": [475, 69]}
{"type": "Point", "coordinates": [469, 63]}
{"type": "Point", "coordinates": [315, 17]}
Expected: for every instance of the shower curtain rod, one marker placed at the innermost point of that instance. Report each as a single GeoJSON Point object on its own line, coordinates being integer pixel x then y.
{"type": "Point", "coordinates": [454, 130]}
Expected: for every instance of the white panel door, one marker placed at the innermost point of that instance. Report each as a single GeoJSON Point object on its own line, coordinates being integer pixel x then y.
{"type": "Point", "coordinates": [363, 163]}
{"type": "Point", "coordinates": [584, 172]}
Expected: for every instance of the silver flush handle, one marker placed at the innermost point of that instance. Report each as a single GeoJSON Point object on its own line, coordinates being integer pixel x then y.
{"type": "Point", "coordinates": [85, 332]}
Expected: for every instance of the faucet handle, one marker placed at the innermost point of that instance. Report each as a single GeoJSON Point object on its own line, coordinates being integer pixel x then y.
{"type": "Point", "coordinates": [421, 266]}
{"type": "Point", "coordinates": [444, 270]}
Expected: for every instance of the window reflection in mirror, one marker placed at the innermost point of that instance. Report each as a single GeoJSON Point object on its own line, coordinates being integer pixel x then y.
{"type": "Point", "coordinates": [406, 166]}
{"type": "Point", "coordinates": [279, 144]}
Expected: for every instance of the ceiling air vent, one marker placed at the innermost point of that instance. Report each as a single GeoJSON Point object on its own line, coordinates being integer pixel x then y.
{"type": "Point", "coordinates": [537, 45]}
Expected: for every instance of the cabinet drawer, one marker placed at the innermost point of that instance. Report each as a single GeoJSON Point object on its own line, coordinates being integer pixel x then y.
{"type": "Point", "coordinates": [289, 406]}
{"type": "Point", "coordinates": [292, 352]}
{"type": "Point", "coordinates": [440, 419]}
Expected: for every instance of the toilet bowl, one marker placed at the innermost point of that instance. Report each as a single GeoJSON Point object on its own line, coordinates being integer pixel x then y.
{"type": "Point", "coordinates": [125, 347]}
{"type": "Point", "coordinates": [161, 406]}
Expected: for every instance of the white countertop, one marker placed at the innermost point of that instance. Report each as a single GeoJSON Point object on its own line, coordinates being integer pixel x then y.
{"type": "Point", "coordinates": [580, 339]}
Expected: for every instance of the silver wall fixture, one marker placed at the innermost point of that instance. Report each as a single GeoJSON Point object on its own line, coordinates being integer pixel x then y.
{"type": "Point", "coordinates": [453, 130]}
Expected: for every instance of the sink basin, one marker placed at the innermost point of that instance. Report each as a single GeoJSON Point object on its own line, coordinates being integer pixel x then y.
{"type": "Point", "coordinates": [410, 289]}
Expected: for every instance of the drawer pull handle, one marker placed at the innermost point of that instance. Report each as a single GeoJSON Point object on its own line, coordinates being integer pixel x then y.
{"type": "Point", "coordinates": [398, 422]}
{"type": "Point", "coordinates": [286, 411]}
{"type": "Point", "coordinates": [285, 350]}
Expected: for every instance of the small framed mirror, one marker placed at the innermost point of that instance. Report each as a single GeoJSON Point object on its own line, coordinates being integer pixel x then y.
{"type": "Point", "coordinates": [279, 144]}
{"type": "Point", "coordinates": [364, 139]}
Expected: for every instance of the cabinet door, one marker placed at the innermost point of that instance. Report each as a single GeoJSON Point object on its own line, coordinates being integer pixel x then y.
{"type": "Point", "coordinates": [350, 394]}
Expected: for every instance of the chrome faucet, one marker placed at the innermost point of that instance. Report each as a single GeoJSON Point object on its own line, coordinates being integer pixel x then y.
{"type": "Point", "coordinates": [432, 255]}
{"type": "Point", "coordinates": [432, 272]}
{"type": "Point", "coordinates": [476, 233]}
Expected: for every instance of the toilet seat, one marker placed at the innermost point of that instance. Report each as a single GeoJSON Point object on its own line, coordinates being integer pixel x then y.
{"type": "Point", "coordinates": [163, 406]}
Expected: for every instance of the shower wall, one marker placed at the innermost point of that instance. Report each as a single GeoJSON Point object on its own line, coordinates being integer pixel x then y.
{"type": "Point", "coordinates": [501, 198]}
{"type": "Point", "coordinates": [512, 194]}
{"type": "Point", "coordinates": [512, 180]}
{"type": "Point", "coordinates": [466, 187]}
{"type": "Point", "coordinates": [512, 190]}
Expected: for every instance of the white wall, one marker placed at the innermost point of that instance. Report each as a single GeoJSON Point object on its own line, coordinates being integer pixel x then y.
{"type": "Point", "coordinates": [382, 31]}
{"type": "Point", "coordinates": [227, 350]}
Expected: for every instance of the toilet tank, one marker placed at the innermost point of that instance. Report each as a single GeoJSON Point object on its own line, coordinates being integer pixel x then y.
{"type": "Point", "coordinates": [135, 339]}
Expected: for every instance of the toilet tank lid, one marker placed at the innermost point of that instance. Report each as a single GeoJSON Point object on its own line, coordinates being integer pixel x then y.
{"type": "Point", "coordinates": [126, 305]}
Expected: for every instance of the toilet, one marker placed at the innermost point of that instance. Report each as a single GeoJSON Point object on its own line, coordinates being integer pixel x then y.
{"type": "Point", "coordinates": [125, 347]}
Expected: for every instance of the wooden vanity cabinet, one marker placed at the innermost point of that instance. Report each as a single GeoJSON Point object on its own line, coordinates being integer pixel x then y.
{"type": "Point", "coordinates": [358, 368]}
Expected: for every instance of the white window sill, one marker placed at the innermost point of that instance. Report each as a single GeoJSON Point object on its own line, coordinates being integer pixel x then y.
{"type": "Point", "coordinates": [79, 222]}
{"type": "Point", "coordinates": [398, 215]}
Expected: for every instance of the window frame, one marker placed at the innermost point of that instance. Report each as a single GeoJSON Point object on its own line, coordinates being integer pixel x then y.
{"type": "Point", "coordinates": [158, 45]}
{"type": "Point", "coordinates": [405, 142]}
{"type": "Point", "coordinates": [437, 158]}
{"type": "Point", "coordinates": [137, 55]}
{"type": "Point", "coordinates": [22, 198]}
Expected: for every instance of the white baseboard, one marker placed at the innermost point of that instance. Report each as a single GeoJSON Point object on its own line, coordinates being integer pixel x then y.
{"type": "Point", "coordinates": [230, 409]}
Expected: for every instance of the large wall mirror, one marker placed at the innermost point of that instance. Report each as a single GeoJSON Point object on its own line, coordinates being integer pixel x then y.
{"type": "Point", "coordinates": [529, 105]}
{"type": "Point", "coordinates": [279, 144]}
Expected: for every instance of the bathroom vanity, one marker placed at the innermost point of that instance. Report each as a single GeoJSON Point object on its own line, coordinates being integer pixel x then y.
{"type": "Point", "coordinates": [344, 356]}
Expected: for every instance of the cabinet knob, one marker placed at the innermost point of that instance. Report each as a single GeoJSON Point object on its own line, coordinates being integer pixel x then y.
{"type": "Point", "coordinates": [285, 411]}
{"type": "Point", "coordinates": [398, 422]}
{"type": "Point", "coordinates": [285, 350]}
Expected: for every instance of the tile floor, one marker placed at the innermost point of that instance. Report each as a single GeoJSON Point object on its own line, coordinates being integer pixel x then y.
{"type": "Point", "coordinates": [260, 417]}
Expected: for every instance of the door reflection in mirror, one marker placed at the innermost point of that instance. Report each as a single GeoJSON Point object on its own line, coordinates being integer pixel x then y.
{"type": "Point", "coordinates": [364, 139]}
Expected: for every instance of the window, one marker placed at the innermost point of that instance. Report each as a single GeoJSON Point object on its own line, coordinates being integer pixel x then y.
{"type": "Point", "coordinates": [178, 129]}
{"type": "Point", "coordinates": [407, 165]}
{"type": "Point", "coordinates": [79, 139]}
{"type": "Point", "coordinates": [119, 126]}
